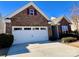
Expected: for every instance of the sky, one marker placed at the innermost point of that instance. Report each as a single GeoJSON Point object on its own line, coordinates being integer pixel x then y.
{"type": "Point", "coordinates": [50, 8]}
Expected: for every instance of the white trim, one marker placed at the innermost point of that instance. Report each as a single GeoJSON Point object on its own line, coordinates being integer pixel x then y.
{"type": "Point", "coordinates": [26, 6]}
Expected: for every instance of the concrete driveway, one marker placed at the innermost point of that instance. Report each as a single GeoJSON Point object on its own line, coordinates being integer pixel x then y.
{"type": "Point", "coordinates": [54, 49]}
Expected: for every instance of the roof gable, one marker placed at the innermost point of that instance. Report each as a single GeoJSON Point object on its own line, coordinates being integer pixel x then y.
{"type": "Point", "coordinates": [58, 20]}
{"type": "Point", "coordinates": [26, 6]}
{"type": "Point", "coordinates": [64, 19]}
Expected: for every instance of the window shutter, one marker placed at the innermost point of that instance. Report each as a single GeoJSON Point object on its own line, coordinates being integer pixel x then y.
{"type": "Point", "coordinates": [27, 11]}
{"type": "Point", "coordinates": [35, 12]}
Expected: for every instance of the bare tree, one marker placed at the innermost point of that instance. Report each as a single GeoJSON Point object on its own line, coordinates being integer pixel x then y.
{"type": "Point", "coordinates": [75, 15]}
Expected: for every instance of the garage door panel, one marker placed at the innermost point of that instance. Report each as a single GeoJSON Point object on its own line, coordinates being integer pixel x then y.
{"type": "Point", "coordinates": [24, 36]}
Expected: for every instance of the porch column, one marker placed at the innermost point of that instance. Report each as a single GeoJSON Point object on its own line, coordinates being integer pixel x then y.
{"type": "Point", "coordinates": [69, 28]}
{"type": "Point", "coordinates": [57, 31]}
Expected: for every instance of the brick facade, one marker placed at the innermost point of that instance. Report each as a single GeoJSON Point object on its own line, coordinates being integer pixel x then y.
{"type": "Point", "coordinates": [23, 19]}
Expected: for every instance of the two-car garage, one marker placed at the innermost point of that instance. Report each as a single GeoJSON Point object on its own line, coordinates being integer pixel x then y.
{"type": "Point", "coordinates": [28, 24]}
{"type": "Point", "coordinates": [24, 34]}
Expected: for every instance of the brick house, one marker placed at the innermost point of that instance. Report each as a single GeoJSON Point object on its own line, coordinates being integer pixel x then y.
{"type": "Point", "coordinates": [28, 24]}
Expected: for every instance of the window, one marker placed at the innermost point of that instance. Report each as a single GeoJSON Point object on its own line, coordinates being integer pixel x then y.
{"type": "Point", "coordinates": [35, 28]}
{"type": "Point", "coordinates": [17, 28]}
{"type": "Point", "coordinates": [31, 11]}
{"type": "Point", "coordinates": [43, 28]}
{"type": "Point", "coordinates": [64, 29]}
{"type": "Point", "coordinates": [27, 28]}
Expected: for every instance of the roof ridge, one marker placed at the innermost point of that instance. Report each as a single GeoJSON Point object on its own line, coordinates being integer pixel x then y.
{"type": "Point", "coordinates": [26, 6]}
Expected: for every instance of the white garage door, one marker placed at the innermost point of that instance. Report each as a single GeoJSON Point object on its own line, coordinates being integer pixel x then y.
{"type": "Point", "coordinates": [29, 34]}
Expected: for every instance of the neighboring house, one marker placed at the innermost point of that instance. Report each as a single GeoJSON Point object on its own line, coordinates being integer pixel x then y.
{"type": "Point", "coordinates": [59, 26]}
{"type": "Point", "coordinates": [2, 25]}
{"type": "Point", "coordinates": [28, 24]}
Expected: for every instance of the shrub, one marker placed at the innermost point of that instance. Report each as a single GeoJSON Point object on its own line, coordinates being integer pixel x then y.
{"type": "Point", "coordinates": [69, 35]}
{"type": "Point", "coordinates": [68, 39]}
{"type": "Point", "coordinates": [75, 32]}
{"type": "Point", "coordinates": [6, 40]}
